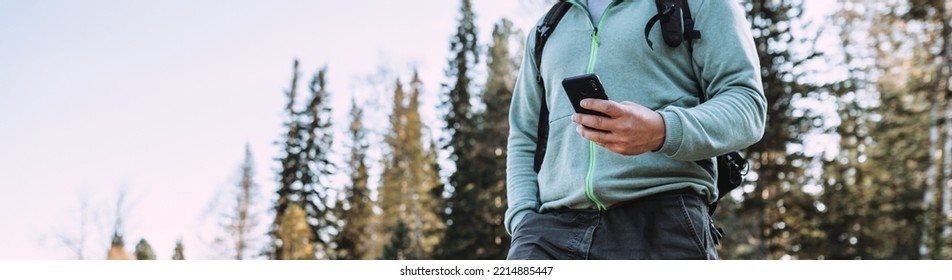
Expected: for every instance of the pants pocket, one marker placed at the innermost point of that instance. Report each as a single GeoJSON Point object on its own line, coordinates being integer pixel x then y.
{"type": "Point", "coordinates": [692, 223]}
{"type": "Point", "coordinates": [666, 227]}
{"type": "Point", "coordinates": [697, 225]}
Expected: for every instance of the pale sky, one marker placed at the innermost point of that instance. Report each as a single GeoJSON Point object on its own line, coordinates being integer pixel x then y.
{"type": "Point", "coordinates": [160, 97]}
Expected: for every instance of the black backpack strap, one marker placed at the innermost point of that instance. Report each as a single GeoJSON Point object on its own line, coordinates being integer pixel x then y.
{"type": "Point", "coordinates": [690, 33]}
{"type": "Point", "coordinates": [673, 32]}
{"type": "Point", "coordinates": [666, 8]}
{"type": "Point", "coordinates": [543, 32]}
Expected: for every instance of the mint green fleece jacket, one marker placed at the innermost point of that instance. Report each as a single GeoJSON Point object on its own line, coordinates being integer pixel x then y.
{"type": "Point", "coordinates": [576, 174]}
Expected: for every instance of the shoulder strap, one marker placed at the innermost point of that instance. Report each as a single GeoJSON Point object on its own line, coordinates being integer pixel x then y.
{"type": "Point", "coordinates": [672, 31]}
{"type": "Point", "coordinates": [543, 31]}
{"type": "Point", "coordinates": [690, 34]}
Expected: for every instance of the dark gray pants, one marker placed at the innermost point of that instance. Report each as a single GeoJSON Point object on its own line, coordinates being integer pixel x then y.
{"type": "Point", "coordinates": [671, 225]}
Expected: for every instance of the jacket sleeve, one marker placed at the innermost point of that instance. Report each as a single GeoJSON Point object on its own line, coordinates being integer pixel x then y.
{"type": "Point", "coordinates": [727, 63]}
{"type": "Point", "coordinates": [521, 179]}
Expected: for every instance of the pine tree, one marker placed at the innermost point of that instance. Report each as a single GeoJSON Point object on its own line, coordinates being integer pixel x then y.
{"type": "Point", "coordinates": [117, 250]}
{"type": "Point", "coordinates": [400, 244]}
{"type": "Point", "coordinates": [144, 251]}
{"type": "Point", "coordinates": [478, 207]}
{"type": "Point", "coordinates": [847, 203]}
{"type": "Point", "coordinates": [317, 166]}
{"type": "Point", "coordinates": [877, 191]}
{"type": "Point", "coordinates": [179, 254]}
{"type": "Point", "coordinates": [305, 165]}
{"type": "Point", "coordinates": [291, 165]}
{"type": "Point", "coordinates": [944, 11]}
{"type": "Point", "coordinates": [427, 199]}
{"type": "Point", "coordinates": [461, 138]}
{"type": "Point", "coordinates": [461, 124]}
{"type": "Point", "coordinates": [773, 211]}
{"type": "Point", "coordinates": [393, 188]}
{"type": "Point", "coordinates": [934, 60]}
{"type": "Point", "coordinates": [245, 219]}
{"type": "Point", "coordinates": [915, 78]}
{"type": "Point", "coordinates": [295, 235]}
{"type": "Point", "coordinates": [240, 221]}
{"type": "Point", "coordinates": [409, 181]}
{"type": "Point", "coordinates": [356, 214]}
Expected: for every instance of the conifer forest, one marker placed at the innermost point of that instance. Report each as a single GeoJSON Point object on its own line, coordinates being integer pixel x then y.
{"type": "Point", "coordinates": [855, 162]}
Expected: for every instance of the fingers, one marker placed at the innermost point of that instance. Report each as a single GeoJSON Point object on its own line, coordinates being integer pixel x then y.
{"type": "Point", "coordinates": [608, 107]}
{"type": "Point", "coordinates": [631, 129]}
{"type": "Point", "coordinates": [601, 138]}
{"type": "Point", "coordinates": [593, 121]}
{"type": "Point", "coordinates": [594, 128]}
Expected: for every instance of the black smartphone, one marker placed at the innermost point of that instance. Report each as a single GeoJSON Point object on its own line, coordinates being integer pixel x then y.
{"type": "Point", "coordinates": [582, 87]}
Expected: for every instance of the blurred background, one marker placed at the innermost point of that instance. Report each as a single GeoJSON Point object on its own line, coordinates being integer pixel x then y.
{"type": "Point", "coordinates": [377, 129]}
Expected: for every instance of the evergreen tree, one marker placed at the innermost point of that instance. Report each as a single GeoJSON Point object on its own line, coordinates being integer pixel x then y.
{"type": "Point", "coordinates": [290, 168]}
{"type": "Point", "coordinates": [773, 209]}
{"type": "Point", "coordinates": [461, 140]}
{"type": "Point", "coordinates": [144, 251]}
{"type": "Point", "coordinates": [428, 198]}
{"type": "Point", "coordinates": [944, 12]}
{"type": "Point", "coordinates": [295, 235]}
{"type": "Point", "coordinates": [305, 165]}
{"type": "Point", "coordinates": [179, 254]}
{"type": "Point", "coordinates": [240, 221]}
{"type": "Point", "coordinates": [846, 207]}
{"type": "Point", "coordinates": [400, 243]}
{"type": "Point", "coordinates": [902, 54]}
{"type": "Point", "coordinates": [857, 220]}
{"type": "Point", "coordinates": [933, 58]}
{"type": "Point", "coordinates": [409, 181]}
{"type": "Point", "coordinates": [356, 213]}
{"type": "Point", "coordinates": [317, 166]}
{"type": "Point", "coordinates": [476, 230]}
{"type": "Point", "coordinates": [117, 250]}
{"type": "Point", "coordinates": [393, 189]}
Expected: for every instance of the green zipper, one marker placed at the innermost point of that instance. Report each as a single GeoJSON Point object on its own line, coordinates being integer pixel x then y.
{"type": "Point", "coordinates": [592, 148]}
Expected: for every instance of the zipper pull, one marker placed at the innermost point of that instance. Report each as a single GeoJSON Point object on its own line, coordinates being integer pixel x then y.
{"type": "Point", "coordinates": [595, 37]}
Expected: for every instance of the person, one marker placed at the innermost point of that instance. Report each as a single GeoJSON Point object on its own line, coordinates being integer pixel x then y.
{"type": "Point", "coordinates": [630, 186]}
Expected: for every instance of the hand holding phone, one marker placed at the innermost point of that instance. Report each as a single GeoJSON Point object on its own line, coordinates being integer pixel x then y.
{"type": "Point", "coordinates": [582, 87]}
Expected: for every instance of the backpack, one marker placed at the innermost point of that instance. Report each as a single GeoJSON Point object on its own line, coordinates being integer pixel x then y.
{"type": "Point", "coordinates": [731, 167]}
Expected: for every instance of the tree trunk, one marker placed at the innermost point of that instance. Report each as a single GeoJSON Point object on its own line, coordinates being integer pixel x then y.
{"type": "Point", "coordinates": [944, 77]}
{"type": "Point", "coordinates": [931, 176]}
